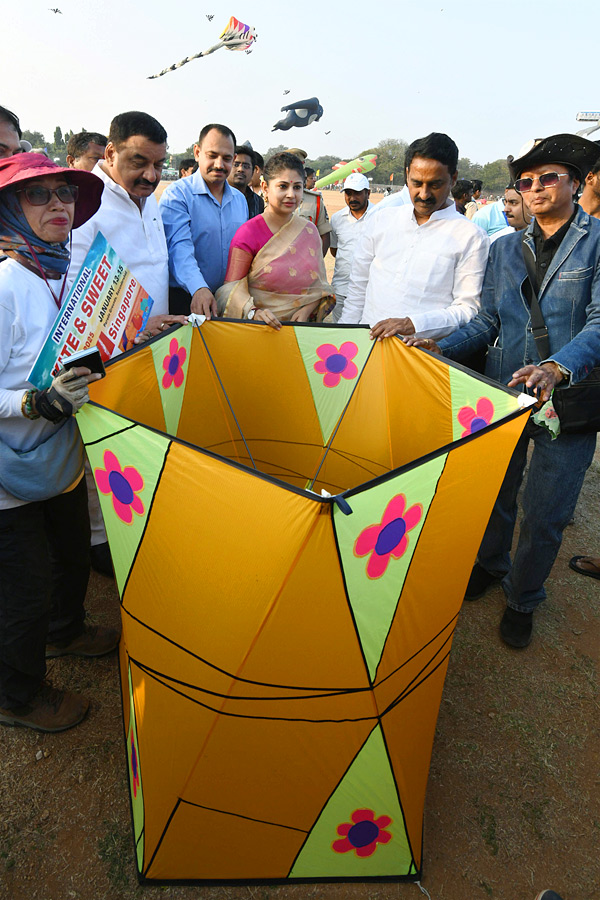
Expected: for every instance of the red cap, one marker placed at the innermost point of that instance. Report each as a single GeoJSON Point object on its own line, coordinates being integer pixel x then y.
{"type": "Point", "coordinates": [25, 166]}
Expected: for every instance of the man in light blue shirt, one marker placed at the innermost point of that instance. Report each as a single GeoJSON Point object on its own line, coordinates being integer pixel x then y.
{"type": "Point", "coordinates": [200, 215]}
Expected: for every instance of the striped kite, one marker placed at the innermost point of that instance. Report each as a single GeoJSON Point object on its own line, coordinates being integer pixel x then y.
{"type": "Point", "coordinates": [236, 36]}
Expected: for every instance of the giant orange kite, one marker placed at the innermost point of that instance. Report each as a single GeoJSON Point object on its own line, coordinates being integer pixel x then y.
{"type": "Point", "coordinates": [293, 517]}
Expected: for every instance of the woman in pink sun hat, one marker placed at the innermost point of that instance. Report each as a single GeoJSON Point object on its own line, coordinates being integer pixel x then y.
{"type": "Point", "coordinates": [44, 525]}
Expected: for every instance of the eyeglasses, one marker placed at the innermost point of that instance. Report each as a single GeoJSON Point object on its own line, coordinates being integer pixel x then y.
{"type": "Point", "coordinates": [41, 196]}
{"type": "Point", "coordinates": [548, 179]}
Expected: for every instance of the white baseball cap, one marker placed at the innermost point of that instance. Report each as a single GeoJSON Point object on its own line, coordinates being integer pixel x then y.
{"type": "Point", "coordinates": [356, 182]}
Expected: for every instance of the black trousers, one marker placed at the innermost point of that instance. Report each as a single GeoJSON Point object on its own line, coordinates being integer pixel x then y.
{"type": "Point", "coordinates": [179, 302]}
{"type": "Point", "coordinates": [44, 572]}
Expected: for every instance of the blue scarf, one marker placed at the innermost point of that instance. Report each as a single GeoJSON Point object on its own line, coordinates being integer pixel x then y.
{"type": "Point", "coordinates": [16, 235]}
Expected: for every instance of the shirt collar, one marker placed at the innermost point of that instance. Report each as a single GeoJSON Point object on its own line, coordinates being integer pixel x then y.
{"type": "Point", "coordinates": [112, 185]}
{"type": "Point", "coordinates": [199, 186]}
{"type": "Point", "coordinates": [556, 238]}
{"type": "Point", "coordinates": [370, 206]}
{"type": "Point", "coordinates": [446, 212]}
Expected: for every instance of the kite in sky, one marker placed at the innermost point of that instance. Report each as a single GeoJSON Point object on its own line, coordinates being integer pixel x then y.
{"type": "Point", "coordinates": [236, 36]}
{"type": "Point", "coordinates": [299, 114]}
{"type": "Point", "coordinates": [281, 683]}
{"type": "Point", "coordinates": [342, 169]}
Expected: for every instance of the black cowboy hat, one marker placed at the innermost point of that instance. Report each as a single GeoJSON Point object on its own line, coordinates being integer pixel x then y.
{"type": "Point", "coordinates": [566, 149]}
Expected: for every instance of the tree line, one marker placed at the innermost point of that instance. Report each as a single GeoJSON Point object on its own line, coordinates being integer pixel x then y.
{"type": "Point", "coordinates": [390, 162]}
{"type": "Point", "coordinates": [389, 169]}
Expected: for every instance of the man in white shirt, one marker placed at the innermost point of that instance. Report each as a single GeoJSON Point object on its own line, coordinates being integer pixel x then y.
{"type": "Point", "coordinates": [128, 216]}
{"type": "Point", "coordinates": [130, 221]}
{"type": "Point", "coordinates": [419, 268]}
{"type": "Point", "coordinates": [346, 227]}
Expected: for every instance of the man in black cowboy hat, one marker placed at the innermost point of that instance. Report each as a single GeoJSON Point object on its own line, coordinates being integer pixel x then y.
{"type": "Point", "coordinates": [564, 243]}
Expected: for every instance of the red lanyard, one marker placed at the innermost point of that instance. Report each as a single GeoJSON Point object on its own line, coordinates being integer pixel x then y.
{"type": "Point", "coordinates": [57, 300]}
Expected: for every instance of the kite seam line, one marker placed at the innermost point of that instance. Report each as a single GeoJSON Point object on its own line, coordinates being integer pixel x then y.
{"type": "Point", "coordinates": [400, 804]}
{"type": "Point", "coordinates": [226, 397]}
{"type": "Point", "coordinates": [334, 691]}
{"type": "Point", "coordinates": [344, 721]}
{"type": "Point", "coordinates": [162, 837]}
{"type": "Point", "coordinates": [226, 812]}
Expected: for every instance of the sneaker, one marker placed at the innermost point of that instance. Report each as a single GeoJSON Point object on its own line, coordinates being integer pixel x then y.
{"type": "Point", "coordinates": [479, 582]}
{"type": "Point", "coordinates": [516, 628]}
{"type": "Point", "coordinates": [49, 710]}
{"type": "Point", "coordinates": [548, 895]}
{"type": "Point", "coordinates": [101, 559]}
{"type": "Point", "coordinates": [94, 640]}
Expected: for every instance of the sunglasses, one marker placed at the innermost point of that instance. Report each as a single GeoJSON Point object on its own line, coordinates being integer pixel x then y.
{"type": "Point", "coordinates": [41, 196]}
{"type": "Point", "coordinates": [548, 179]}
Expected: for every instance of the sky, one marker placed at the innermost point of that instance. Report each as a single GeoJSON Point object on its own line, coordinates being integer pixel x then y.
{"type": "Point", "coordinates": [491, 74]}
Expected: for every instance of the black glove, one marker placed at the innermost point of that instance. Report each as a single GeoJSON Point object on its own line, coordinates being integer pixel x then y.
{"type": "Point", "coordinates": [67, 393]}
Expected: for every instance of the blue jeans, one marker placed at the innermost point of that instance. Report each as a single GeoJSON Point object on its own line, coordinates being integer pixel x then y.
{"type": "Point", "coordinates": [556, 472]}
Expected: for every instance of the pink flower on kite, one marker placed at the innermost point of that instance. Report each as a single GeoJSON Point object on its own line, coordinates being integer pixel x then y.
{"type": "Point", "coordinates": [135, 772]}
{"type": "Point", "coordinates": [336, 364]}
{"type": "Point", "coordinates": [363, 834]}
{"type": "Point", "coordinates": [173, 365]}
{"type": "Point", "coordinates": [124, 485]}
{"type": "Point", "coordinates": [390, 538]}
{"type": "Point", "coordinates": [473, 420]}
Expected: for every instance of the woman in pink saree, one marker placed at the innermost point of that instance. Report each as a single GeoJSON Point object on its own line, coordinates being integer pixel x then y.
{"type": "Point", "coordinates": [275, 272]}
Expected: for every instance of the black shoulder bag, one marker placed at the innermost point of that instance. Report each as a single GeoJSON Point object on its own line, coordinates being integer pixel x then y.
{"type": "Point", "coordinates": [577, 406]}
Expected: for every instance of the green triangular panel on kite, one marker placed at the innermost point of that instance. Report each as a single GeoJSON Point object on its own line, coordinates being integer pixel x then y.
{"type": "Point", "coordinates": [95, 423]}
{"type": "Point", "coordinates": [377, 542]}
{"type": "Point", "coordinates": [171, 373]}
{"type": "Point", "coordinates": [135, 778]}
{"type": "Point", "coordinates": [476, 404]}
{"type": "Point", "coordinates": [360, 832]}
{"type": "Point", "coordinates": [126, 467]}
{"type": "Point", "coordinates": [333, 363]}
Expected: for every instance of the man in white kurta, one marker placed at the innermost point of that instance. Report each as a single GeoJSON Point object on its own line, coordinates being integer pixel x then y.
{"type": "Point", "coordinates": [419, 268]}
{"type": "Point", "coordinates": [130, 221]}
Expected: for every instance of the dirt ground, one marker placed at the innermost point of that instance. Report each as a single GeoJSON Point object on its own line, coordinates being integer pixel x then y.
{"type": "Point", "coordinates": [512, 803]}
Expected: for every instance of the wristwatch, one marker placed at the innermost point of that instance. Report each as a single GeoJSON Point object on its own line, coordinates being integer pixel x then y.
{"type": "Point", "coordinates": [564, 372]}
{"type": "Point", "coordinates": [252, 313]}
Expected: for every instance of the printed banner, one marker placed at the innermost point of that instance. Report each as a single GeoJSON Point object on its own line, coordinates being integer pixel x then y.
{"type": "Point", "coordinates": [106, 307]}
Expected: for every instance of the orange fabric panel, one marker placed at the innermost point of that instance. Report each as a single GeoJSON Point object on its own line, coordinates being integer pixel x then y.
{"type": "Point", "coordinates": [265, 379]}
{"type": "Point", "coordinates": [409, 730]}
{"type": "Point", "coordinates": [220, 560]}
{"type": "Point", "coordinates": [169, 730]}
{"type": "Point", "coordinates": [363, 432]}
{"type": "Point", "coordinates": [130, 389]}
{"type": "Point", "coordinates": [272, 770]}
{"type": "Point", "coordinates": [202, 844]}
{"type": "Point", "coordinates": [206, 419]}
{"type": "Point", "coordinates": [417, 394]}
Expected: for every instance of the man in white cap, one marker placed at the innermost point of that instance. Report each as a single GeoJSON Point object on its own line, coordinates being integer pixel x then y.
{"type": "Point", "coordinates": [346, 227]}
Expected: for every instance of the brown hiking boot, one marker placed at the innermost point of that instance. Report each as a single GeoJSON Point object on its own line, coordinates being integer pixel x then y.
{"type": "Point", "coordinates": [49, 710]}
{"type": "Point", "coordinates": [94, 640]}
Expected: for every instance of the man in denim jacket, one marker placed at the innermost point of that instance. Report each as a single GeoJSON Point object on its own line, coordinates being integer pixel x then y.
{"type": "Point", "coordinates": [565, 243]}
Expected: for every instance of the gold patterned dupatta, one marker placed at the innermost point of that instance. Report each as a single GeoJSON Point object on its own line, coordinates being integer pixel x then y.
{"type": "Point", "coordinates": [286, 274]}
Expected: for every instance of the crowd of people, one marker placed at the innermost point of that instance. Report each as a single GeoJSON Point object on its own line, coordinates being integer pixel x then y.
{"type": "Point", "coordinates": [237, 238]}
